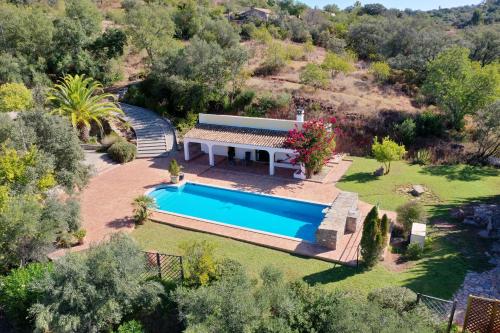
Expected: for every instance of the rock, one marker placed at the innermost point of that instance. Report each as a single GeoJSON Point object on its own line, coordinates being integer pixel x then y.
{"type": "Point", "coordinates": [379, 172]}
{"type": "Point", "coordinates": [458, 214]}
{"type": "Point", "coordinates": [470, 221]}
{"type": "Point", "coordinates": [417, 190]}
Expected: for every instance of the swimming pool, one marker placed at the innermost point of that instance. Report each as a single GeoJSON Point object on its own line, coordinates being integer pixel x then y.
{"type": "Point", "coordinates": [262, 213]}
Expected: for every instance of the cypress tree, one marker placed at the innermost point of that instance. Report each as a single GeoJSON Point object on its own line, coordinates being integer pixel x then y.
{"type": "Point", "coordinates": [384, 229]}
{"type": "Point", "coordinates": [372, 238]}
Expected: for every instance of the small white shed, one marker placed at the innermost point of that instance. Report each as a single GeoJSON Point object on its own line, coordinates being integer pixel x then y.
{"type": "Point", "coordinates": [418, 234]}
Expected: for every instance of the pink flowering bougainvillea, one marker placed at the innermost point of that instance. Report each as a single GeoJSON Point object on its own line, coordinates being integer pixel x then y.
{"type": "Point", "coordinates": [313, 144]}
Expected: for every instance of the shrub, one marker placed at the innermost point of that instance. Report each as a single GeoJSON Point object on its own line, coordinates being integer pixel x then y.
{"type": "Point", "coordinates": [414, 251]}
{"type": "Point", "coordinates": [295, 52]}
{"type": "Point", "coordinates": [380, 70]}
{"type": "Point", "coordinates": [200, 266]}
{"type": "Point", "coordinates": [132, 326]}
{"type": "Point", "coordinates": [80, 235]}
{"type": "Point", "coordinates": [313, 75]}
{"type": "Point", "coordinates": [409, 213]}
{"type": "Point", "coordinates": [243, 100]}
{"type": "Point", "coordinates": [400, 299]}
{"type": "Point", "coordinates": [261, 34]}
{"type": "Point", "coordinates": [336, 64]}
{"type": "Point", "coordinates": [423, 157]}
{"type": "Point", "coordinates": [429, 123]}
{"type": "Point", "coordinates": [268, 103]}
{"type": "Point", "coordinates": [387, 151]}
{"type": "Point", "coordinates": [104, 283]}
{"type": "Point", "coordinates": [15, 97]}
{"type": "Point", "coordinates": [313, 144]}
{"type": "Point", "coordinates": [276, 59]}
{"type": "Point", "coordinates": [372, 239]}
{"type": "Point", "coordinates": [110, 139]}
{"type": "Point", "coordinates": [405, 132]}
{"type": "Point", "coordinates": [143, 205]}
{"type": "Point", "coordinates": [16, 296]}
{"type": "Point", "coordinates": [174, 168]}
{"type": "Point", "coordinates": [122, 151]}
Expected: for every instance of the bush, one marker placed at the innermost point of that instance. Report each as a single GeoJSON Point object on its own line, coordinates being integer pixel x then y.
{"type": "Point", "coordinates": [409, 213]}
{"type": "Point", "coordinates": [380, 70]}
{"type": "Point", "coordinates": [313, 75]}
{"type": "Point", "coordinates": [80, 235]}
{"type": "Point", "coordinates": [423, 157]}
{"type": "Point", "coordinates": [414, 251]}
{"type": "Point", "coordinates": [405, 132]}
{"type": "Point", "coordinates": [429, 123]}
{"type": "Point", "coordinates": [261, 34]}
{"type": "Point", "coordinates": [276, 59]}
{"type": "Point", "coordinates": [16, 296]}
{"type": "Point", "coordinates": [174, 168]}
{"type": "Point", "coordinates": [143, 205]}
{"type": "Point", "coordinates": [110, 139]}
{"type": "Point", "coordinates": [122, 151]}
{"type": "Point", "coordinates": [15, 97]}
{"type": "Point", "coordinates": [132, 326]}
{"type": "Point", "coordinates": [400, 299]}
{"type": "Point", "coordinates": [200, 266]}
{"type": "Point", "coordinates": [243, 100]}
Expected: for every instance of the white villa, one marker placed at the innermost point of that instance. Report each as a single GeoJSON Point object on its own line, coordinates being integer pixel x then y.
{"type": "Point", "coordinates": [243, 138]}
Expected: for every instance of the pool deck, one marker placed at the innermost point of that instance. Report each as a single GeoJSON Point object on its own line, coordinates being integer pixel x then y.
{"type": "Point", "coordinates": [106, 203]}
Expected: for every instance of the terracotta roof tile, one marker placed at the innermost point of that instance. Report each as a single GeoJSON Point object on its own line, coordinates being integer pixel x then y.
{"type": "Point", "coordinates": [238, 135]}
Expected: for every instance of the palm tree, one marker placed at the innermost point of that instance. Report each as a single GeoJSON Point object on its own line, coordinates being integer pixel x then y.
{"type": "Point", "coordinates": [143, 205]}
{"type": "Point", "coordinates": [82, 100]}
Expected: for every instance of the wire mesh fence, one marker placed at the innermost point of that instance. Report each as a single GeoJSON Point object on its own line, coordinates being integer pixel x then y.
{"type": "Point", "coordinates": [163, 266]}
{"type": "Point", "coordinates": [442, 309]}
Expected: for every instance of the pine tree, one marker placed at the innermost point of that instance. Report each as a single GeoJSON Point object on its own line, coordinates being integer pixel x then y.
{"type": "Point", "coordinates": [372, 238]}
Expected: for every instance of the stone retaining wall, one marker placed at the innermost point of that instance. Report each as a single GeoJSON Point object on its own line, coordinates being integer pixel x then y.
{"type": "Point", "coordinates": [342, 217]}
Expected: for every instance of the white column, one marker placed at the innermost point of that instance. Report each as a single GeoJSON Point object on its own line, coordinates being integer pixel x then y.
{"type": "Point", "coordinates": [186, 150]}
{"type": "Point", "coordinates": [211, 155]}
{"type": "Point", "coordinates": [271, 162]}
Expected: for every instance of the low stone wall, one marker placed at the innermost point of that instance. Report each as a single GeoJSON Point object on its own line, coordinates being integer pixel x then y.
{"type": "Point", "coordinates": [342, 217]}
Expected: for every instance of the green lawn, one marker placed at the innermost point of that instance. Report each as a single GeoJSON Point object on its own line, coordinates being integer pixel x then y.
{"type": "Point", "coordinates": [439, 274]}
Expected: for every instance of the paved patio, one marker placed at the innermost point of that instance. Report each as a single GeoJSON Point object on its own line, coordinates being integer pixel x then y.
{"type": "Point", "coordinates": [106, 203]}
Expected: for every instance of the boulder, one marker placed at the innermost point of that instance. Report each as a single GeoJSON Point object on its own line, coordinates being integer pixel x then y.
{"type": "Point", "coordinates": [379, 172]}
{"type": "Point", "coordinates": [417, 190]}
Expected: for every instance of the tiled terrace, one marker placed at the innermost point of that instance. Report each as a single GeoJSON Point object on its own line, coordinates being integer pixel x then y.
{"type": "Point", "coordinates": [106, 203]}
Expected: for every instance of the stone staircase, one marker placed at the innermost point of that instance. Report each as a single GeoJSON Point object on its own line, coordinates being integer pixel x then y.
{"type": "Point", "coordinates": [155, 136]}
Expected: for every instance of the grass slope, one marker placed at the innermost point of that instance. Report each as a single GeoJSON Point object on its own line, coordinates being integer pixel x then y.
{"type": "Point", "coordinates": [439, 274]}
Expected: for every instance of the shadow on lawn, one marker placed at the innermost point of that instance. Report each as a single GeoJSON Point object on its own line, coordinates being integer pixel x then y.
{"type": "Point", "coordinates": [458, 172]}
{"type": "Point", "coordinates": [335, 274]}
{"type": "Point", "coordinates": [360, 177]}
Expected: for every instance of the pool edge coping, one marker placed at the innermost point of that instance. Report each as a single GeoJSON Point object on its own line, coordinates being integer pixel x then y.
{"type": "Point", "coordinates": [231, 225]}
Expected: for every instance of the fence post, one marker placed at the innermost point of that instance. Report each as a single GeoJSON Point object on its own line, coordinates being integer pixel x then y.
{"type": "Point", "coordinates": [357, 257]}
{"type": "Point", "coordinates": [158, 263]}
{"type": "Point", "coordinates": [419, 295]}
{"type": "Point", "coordinates": [182, 268]}
{"type": "Point", "coordinates": [452, 315]}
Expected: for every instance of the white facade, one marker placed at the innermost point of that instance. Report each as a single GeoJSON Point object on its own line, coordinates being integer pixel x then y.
{"type": "Point", "coordinates": [278, 157]}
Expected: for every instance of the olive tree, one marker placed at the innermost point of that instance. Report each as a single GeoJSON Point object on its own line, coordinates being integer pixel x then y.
{"type": "Point", "coordinates": [95, 290]}
{"type": "Point", "coordinates": [387, 151]}
{"type": "Point", "coordinates": [461, 86]}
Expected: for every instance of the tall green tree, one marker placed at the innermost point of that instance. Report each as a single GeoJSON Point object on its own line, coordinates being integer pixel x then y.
{"type": "Point", "coordinates": [461, 86]}
{"type": "Point", "coordinates": [82, 100]}
{"type": "Point", "coordinates": [371, 239]}
{"type": "Point", "coordinates": [387, 151]}
{"type": "Point", "coordinates": [96, 290]}
{"type": "Point", "coordinates": [151, 28]}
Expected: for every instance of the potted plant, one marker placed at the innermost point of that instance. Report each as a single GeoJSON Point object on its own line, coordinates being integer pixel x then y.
{"type": "Point", "coordinates": [175, 169]}
{"type": "Point", "coordinates": [80, 236]}
{"type": "Point", "coordinates": [143, 205]}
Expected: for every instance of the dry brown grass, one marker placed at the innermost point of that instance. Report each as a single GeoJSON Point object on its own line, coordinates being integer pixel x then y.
{"type": "Point", "coordinates": [356, 92]}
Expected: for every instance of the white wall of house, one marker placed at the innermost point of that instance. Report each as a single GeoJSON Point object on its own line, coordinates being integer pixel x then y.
{"type": "Point", "coordinates": [251, 122]}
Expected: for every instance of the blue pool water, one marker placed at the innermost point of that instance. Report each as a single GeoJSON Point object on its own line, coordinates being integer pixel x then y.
{"type": "Point", "coordinates": [285, 217]}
